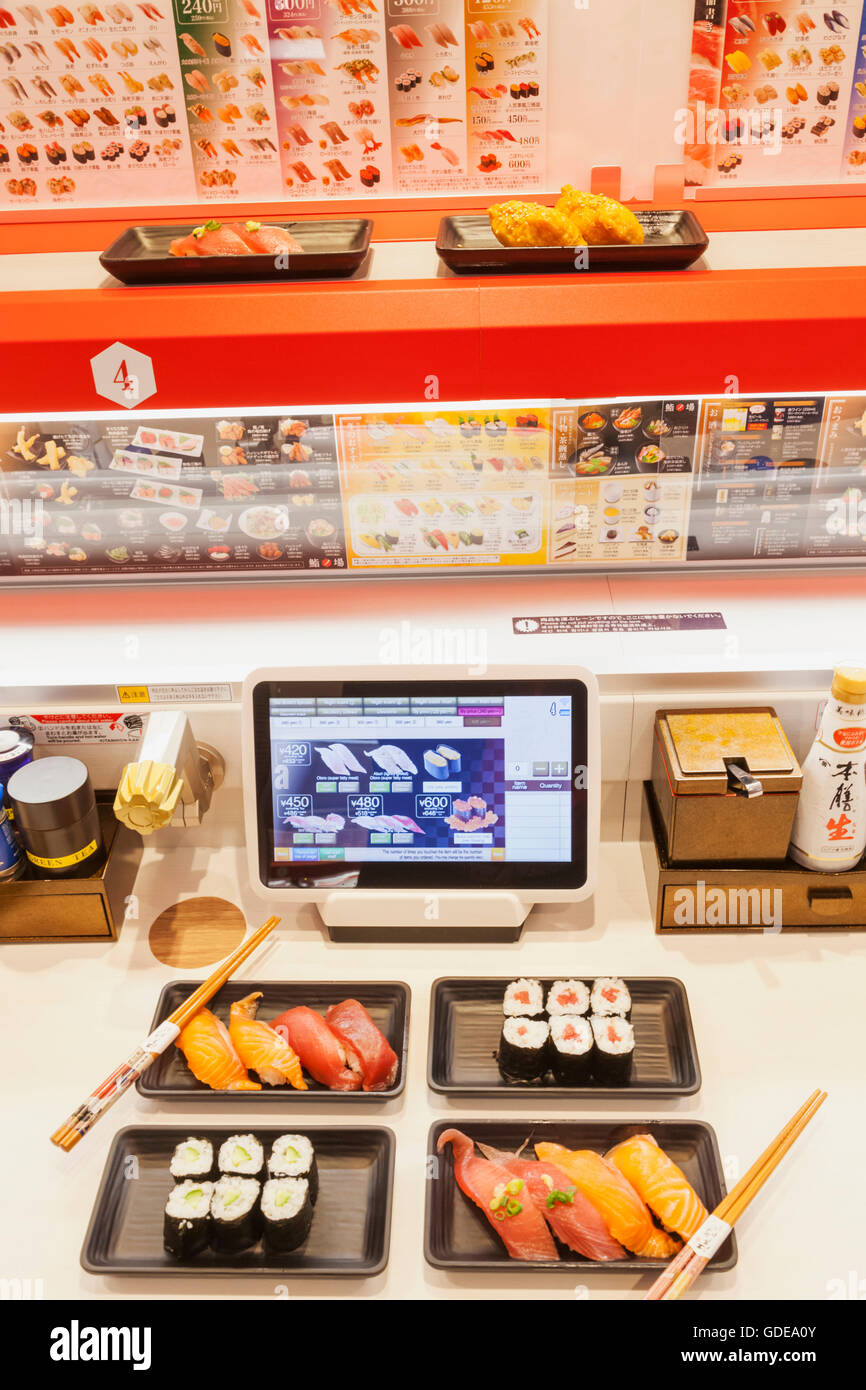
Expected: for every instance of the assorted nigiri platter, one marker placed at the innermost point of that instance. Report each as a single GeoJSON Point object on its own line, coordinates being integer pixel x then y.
{"type": "Point", "coordinates": [559, 1194]}
{"type": "Point", "coordinates": [221, 1200]}
{"type": "Point", "coordinates": [244, 249]}
{"type": "Point", "coordinates": [280, 1040]}
{"type": "Point", "coordinates": [600, 1037]}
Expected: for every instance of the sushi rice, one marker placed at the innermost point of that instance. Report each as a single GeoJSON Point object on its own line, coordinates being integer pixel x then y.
{"type": "Point", "coordinates": [235, 1213]}
{"type": "Point", "coordinates": [287, 1212]}
{"type": "Point", "coordinates": [567, 997]}
{"type": "Point", "coordinates": [242, 1155]}
{"type": "Point", "coordinates": [192, 1158]}
{"type": "Point", "coordinates": [523, 1048]}
{"type": "Point", "coordinates": [293, 1156]}
{"type": "Point", "coordinates": [610, 996]}
{"type": "Point", "coordinates": [523, 999]}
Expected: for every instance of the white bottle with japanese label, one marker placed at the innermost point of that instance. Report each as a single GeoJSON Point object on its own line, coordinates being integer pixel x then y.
{"type": "Point", "coordinates": [830, 825]}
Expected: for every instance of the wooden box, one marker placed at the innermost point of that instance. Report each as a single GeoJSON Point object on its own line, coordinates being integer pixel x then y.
{"type": "Point", "coordinates": [753, 897]}
{"type": "Point", "coordinates": [76, 909]}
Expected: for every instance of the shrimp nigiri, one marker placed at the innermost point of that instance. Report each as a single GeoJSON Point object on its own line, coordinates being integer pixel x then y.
{"type": "Point", "coordinates": [211, 1055]}
{"type": "Point", "coordinates": [261, 1048]}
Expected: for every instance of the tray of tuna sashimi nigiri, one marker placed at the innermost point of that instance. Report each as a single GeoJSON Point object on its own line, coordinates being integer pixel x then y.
{"type": "Point", "coordinates": [279, 1040]}
{"type": "Point", "coordinates": [558, 1194]}
{"type": "Point", "coordinates": [219, 1201]}
{"type": "Point", "coordinates": [243, 249]}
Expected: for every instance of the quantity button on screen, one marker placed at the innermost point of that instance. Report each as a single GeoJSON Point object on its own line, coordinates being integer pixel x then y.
{"type": "Point", "coordinates": [349, 786]}
{"type": "Point", "coordinates": [326, 786]}
{"type": "Point", "coordinates": [402, 840]}
{"type": "Point", "coordinates": [378, 837]}
{"type": "Point", "coordinates": [559, 769]}
{"type": "Point", "coordinates": [302, 837]}
{"type": "Point", "coordinates": [541, 769]}
{"type": "Point", "coordinates": [380, 786]}
{"type": "Point", "coordinates": [401, 786]}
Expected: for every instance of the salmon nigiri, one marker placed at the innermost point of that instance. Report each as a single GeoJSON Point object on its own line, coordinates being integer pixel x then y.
{"type": "Point", "coordinates": [662, 1185]}
{"type": "Point", "coordinates": [570, 1215]}
{"type": "Point", "coordinates": [625, 1215]}
{"type": "Point", "coordinates": [262, 1049]}
{"type": "Point", "coordinates": [502, 1198]}
{"type": "Point", "coordinates": [265, 240]}
{"type": "Point", "coordinates": [211, 1055]}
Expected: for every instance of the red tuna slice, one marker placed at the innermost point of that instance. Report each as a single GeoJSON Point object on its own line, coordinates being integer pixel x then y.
{"type": "Point", "coordinates": [523, 1233]}
{"type": "Point", "coordinates": [321, 1052]}
{"type": "Point", "coordinates": [359, 1035]}
{"type": "Point", "coordinates": [576, 1221]}
{"type": "Point", "coordinates": [266, 241]}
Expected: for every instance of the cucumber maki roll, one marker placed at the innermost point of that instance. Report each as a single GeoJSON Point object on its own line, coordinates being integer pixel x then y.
{"type": "Point", "coordinates": [523, 1049]}
{"type": "Point", "coordinates": [571, 1050]}
{"type": "Point", "coordinates": [287, 1213]}
{"type": "Point", "coordinates": [242, 1156]}
{"type": "Point", "coordinates": [293, 1156]}
{"type": "Point", "coordinates": [235, 1214]}
{"type": "Point", "coordinates": [186, 1226]}
{"type": "Point", "coordinates": [193, 1158]}
{"type": "Point", "coordinates": [614, 1049]}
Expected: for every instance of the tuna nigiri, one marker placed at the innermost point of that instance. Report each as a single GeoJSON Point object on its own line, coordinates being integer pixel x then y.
{"type": "Point", "coordinates": [502, 1198]}
{"type": "Point", "coordinates": [355, 1029]}
{"type": "Point", "coordinates": [570, 1215]}
{"type": "Point", "coordinates": [266, 241]}
{"type": "Point", "coordinates": [212, 239]}
{"type": "Point", "coordinates": [662, 1185]}
{"type": "Point", "coordinates": [261, 1048]}
{"type": "Point", "coordinates": [211, 1055]}
{"type": "Point", "coordinates": [625, 1215]}
{"type": "Point", "coordinates": [321, 1052]}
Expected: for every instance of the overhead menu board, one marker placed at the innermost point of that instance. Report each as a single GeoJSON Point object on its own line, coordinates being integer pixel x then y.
{"type": "Point", "coordinates": [481, 486]}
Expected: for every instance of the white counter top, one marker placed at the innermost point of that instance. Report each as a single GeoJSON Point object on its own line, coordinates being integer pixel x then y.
{"type": "Point", "coordinates": [775, 1016]}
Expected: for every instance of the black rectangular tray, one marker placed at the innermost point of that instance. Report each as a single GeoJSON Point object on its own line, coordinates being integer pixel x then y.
{"type": "Point", "coordinates": [673, 240]}
{"type": "Point", "coordinates": [466, 1022]}
{"type": "Point", "coordinates": [387, 1002]}
{"type": "Point", "coordinates": [458, 1237]}
{"type": "Point", "coordinates": [332, 247]}
{"type": "Point", "coordinates": [351, 1229]}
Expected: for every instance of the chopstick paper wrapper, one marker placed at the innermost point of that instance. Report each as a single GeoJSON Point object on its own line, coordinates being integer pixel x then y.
{"type": "Point", "coordinates": [710, 1237]}
{"type": "Point", "coordinates": [84, 1118]}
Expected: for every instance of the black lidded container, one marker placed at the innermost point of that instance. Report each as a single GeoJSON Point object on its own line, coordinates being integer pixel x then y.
{"type": "Point", "coordinates": [56, 817]}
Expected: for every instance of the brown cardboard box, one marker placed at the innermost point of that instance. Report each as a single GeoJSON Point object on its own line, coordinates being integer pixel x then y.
{"type": "Point", "coordinates": [75, 909]}
{"type": "Point", "coordinates": [703, 820]}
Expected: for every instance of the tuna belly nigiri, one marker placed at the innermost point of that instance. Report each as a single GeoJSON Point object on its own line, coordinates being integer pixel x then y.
{"type": "Point", "coordinates": [662, 1185]}
{"type": "Point", "coordinates": [359, 1035]}
{"type": "Point", "coordinates": [211, 1055]}
{"type": "Point", "coordinates": [264, 240]}
{"type": "Point", "coordinates": [261, 1048]}
{"type": "Point", "coordinates": [625, 1215]}
{"type": "Point", "coordinates": [321, 1052]}
{"type": "Point", "coordinates": [571, 1216]}
{"type": "Point", "coordinates": [502, 1198]}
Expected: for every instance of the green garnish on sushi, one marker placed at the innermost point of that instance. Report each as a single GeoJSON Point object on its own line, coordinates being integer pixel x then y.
{"type": "Point", "coordinates": [557, 1195]}
{"type": "Point", "coordinates": [515, 1186]}
{"type": "Point", "coordinates": [514, 1208]}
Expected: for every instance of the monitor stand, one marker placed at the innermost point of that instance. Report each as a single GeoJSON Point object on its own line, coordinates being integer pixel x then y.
{"type": "Point", "coordinates": [423, 917]}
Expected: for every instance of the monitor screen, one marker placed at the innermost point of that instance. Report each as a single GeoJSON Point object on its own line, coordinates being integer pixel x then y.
{"type": "Point", "coordinates": [437, 783]}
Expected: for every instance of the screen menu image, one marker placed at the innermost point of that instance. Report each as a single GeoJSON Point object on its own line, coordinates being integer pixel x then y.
{"type": "Point", "coordinates": [418, 778]}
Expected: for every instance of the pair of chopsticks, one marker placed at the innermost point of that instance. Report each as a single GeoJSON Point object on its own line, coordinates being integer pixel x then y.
{"type": "Point", "coordinates": [85, 1117]}
{"type": "Point", "coordinates": [695, 1255]}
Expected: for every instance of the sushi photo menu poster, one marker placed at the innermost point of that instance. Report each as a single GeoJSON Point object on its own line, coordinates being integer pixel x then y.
{"type": "Point", "coordinates": [506, 61]}
{"type": "Point", "coordinates": [773, 93]}
{"type": "Point", "coordinates": [223, 50]}
{"type": "Point", "coordinates": [445, 490]}
{"type": "Point", "coordinates": [91, 107]}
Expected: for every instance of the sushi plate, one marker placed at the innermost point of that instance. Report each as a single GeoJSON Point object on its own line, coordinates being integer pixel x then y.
{"type": "Point", "coordinates": [332, 247]}
{"type": "Point", "coordinates": [673, 240]}
{"type": "Point", "coordinates": [466, 1022]}
{"type": "Point", "coordinates": [169, 1078]}
{"type": "Point", "coordinates": [458, 1237]}
{"type": "Point", "coordinates": [351, 1229]}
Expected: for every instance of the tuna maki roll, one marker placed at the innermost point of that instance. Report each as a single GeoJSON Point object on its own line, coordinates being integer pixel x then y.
{"type": "Point", "coordinates": [287, 1213]}
{"type": "Point", "coordinates": [523, 1049]}
{"type": "Point", "coordinates": [186, 1226]}
{"type": "Point", "coordinates": [614, 1049]}
{"type": "Point", "coordinates": [523, 999]}
{"type": "Point", "coordinates": [571, 1050]}
{"type": "Point", "coordinates": [193, 1158]}
{"type": "Point", "coordinates": [293, 1156]}
{"type": "Point", "coordinates": [242, 1156]}
{"type": "Point", "coordinates": [235, 1214]}
{"type": "Point", "coordinates": [567, 997]}
{"type": "Point", "coordinates": [610, 996]}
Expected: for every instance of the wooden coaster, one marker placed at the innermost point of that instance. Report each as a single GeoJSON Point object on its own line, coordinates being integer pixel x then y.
{"type": "Point", "coordinates": [198, 931]}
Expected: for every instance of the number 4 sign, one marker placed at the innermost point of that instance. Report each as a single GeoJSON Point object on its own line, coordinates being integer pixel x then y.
{"type": "Point", "coordinates": [124, 375]}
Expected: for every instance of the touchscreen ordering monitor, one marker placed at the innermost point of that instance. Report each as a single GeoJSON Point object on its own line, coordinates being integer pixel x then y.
{"type": "Point", "coordinates": [421, 784]}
